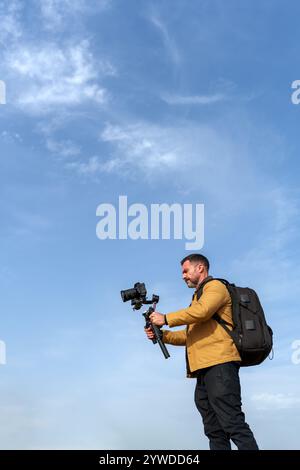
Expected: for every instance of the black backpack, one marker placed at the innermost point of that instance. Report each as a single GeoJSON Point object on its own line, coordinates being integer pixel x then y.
{"type": "Point", "coordinates": [251, 334]}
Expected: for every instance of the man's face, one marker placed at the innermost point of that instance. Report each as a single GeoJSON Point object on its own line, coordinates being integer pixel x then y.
{"type": "Point", "coordinates": [191, 273]}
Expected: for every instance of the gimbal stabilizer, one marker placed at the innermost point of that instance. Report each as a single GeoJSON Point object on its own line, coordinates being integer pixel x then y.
{"type": "Point", "coordinates": [138, 297]}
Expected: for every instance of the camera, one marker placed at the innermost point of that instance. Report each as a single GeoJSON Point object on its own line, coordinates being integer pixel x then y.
{"type": "Point", "coordinates": [138, 295]}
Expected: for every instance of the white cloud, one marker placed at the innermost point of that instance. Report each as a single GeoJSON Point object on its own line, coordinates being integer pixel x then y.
{"type": "Point", "coordinates": [179, 152]}
{"type": "Point", "coordinates": [187, 155]}
{"type": "Point", "coordinates": [194, 100]}
{"type": "Point", "coordinates": [55, 13]}
{"type": "Point", "coordinates": [135, 148]}
{"type": "Point", "coordinates": [10, 29]}
{"type": "Point", "coordinates": [142, 146]}
{"type": "Point", "coordinates": [220, 90]}
{"type": "Point", "coordinates": [65, 148]}
{"type": "Point", "coordinates": [275, 401]}
{"type": "Point", "coordinates": [93, 166]}
{"type": "Point", "coordinates": [168, 41]}
{"type": "Point", "coordinates": [50, 76]}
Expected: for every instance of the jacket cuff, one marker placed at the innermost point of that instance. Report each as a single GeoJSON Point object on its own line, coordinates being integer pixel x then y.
{"type": "Point", "coordinates": [173, 318]}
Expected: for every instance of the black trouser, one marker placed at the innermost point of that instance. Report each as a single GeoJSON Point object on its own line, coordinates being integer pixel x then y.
{"type": "Point", "coordinates": [218, 399]}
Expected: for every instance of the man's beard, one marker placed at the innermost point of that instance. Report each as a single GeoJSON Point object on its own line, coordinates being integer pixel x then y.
{"type": "Point", "coordinates": [190, 284]}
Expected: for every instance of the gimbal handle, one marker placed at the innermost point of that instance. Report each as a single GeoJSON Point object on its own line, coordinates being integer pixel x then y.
{"type": "Point", "coordinates": [156, 330]}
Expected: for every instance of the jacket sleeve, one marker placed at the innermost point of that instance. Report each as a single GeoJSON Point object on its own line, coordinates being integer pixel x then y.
{"type": "Point", "coordinates": [214, 296]}
{"type": "Point", "coordinates": [177, 338]}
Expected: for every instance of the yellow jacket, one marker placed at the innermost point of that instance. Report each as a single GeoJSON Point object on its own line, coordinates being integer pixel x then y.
{"type": "Point", "coordinates": [207, 343]}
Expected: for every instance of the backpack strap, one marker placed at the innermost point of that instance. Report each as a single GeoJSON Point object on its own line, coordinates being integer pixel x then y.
{"type": "Point", "coordinates": [215, 316]}
{"type": "Point", "coordinates": [199, 291]}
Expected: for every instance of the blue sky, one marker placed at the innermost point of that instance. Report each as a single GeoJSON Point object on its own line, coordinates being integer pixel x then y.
{"type": "Point", "coordinates": [165, 102]}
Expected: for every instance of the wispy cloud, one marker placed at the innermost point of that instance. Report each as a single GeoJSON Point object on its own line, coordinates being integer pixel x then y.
{"type": "Point", "coordinates": [65, 148]}
{"type": "Point", "coordinates": [10, 29]}
{"type": "Point", "coordinates": [135, 148]}
{"type": "Point", "coordinates": [177, 151]}
{"type": "Point", "coordinates": [182, 150]}
{"type": "Point", "coordinates": [194, 100]}
{"type": "Point", "coordinates": [275, 401]}
{"type": "Point", "coordinates": [55, 12]}
{"type": "Point", "coordinates": [218, 90]}
{"type": "Point", "coordinates": [143, 145]}
{"type": "Point", "coordinates": [94, 166]}
{"type": "Point", "coordinates": [168, 41]}
{"type": "Point", "coordinates": [50, 76]}
{"type": "Point", "coordinates": [44, 75]}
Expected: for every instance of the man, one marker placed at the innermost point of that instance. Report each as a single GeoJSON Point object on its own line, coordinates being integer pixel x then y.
{"type": "Point", "coordinates": [211, 357]}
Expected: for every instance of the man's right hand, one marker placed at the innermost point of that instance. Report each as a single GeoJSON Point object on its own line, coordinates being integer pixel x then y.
{"type": "Point", "coordinates": [149, 333]}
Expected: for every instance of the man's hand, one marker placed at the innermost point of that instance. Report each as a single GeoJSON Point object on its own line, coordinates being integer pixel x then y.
{"type": "Point", "coordinates": [157, 319]}
{"type": "Point", "coordinates": [149, 333]}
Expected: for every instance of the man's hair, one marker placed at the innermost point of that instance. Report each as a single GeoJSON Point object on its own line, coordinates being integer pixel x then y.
{"type": "Point", "coordinates": [196, 258]}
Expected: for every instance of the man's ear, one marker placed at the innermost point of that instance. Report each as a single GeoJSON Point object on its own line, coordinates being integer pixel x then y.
{"type": "Point", "coordinates": [200, 268]}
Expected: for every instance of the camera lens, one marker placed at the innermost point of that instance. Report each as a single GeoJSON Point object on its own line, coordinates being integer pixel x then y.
{"type": "Point", "coordinates": [128, 294]}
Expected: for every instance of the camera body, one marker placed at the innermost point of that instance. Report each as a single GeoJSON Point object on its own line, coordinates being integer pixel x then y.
{"type": "Point", "coordinates": [138, 296]}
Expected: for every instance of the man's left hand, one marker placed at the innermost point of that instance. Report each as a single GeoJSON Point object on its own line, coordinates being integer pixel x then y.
{"type": "Point", "coordinates": [157, 319]}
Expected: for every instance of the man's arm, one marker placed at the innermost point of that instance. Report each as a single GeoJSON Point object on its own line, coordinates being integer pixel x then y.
{"type": "Point", "coordinates": [177, 338]}
{"type": "Point", "coordinates": [214, 296]}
